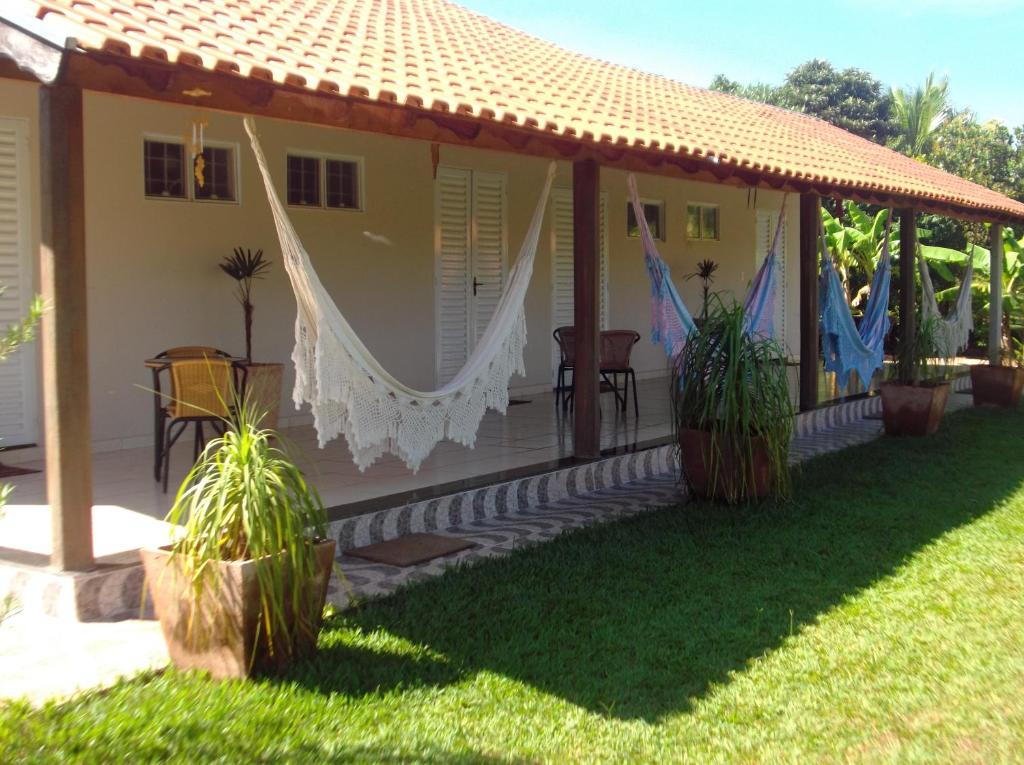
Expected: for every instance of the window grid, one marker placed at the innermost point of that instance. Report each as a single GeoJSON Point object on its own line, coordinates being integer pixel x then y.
{"type": "Point", "coordinates": [702, 222]}
{"type": "Point", "coordinates": [164, 169]}
{"type": "Point", "coordinates": [303, 181]}
{"type": "Point", "coordinates": [219, 175]}
{"type": "Point", "coordinates": [653, 214]}
{"type": "Point", "coordinates": [342, 184]}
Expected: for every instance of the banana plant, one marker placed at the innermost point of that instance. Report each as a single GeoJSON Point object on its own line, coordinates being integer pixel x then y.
{"type": "Point", "coordinates": [856, 247]}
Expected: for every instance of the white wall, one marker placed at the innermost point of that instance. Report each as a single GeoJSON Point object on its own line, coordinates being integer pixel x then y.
{"type": "Point", "coordinates": [153, 279]}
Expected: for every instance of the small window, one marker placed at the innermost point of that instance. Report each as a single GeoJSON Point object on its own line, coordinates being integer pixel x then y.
{"type": "Point", "coordinates": [164, 169]}
{"type": "Point", "coordinates": [342, 184]}
{"type": "Point", "coordinates": [702, 222]}
{"type": "Point", "coordinates": [653, 212]}
{"type": "Point", "coordinates": [303, 181]}
{"type": "Point", "coordinates": [218, 175]}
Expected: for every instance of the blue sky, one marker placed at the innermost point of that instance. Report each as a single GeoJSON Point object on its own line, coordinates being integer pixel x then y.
{"type": "Point", "coordinates": [979, 44]}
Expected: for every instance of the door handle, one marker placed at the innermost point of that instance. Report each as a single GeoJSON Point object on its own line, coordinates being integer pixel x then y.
{"type": "Point", "coordinates": [475, 285]}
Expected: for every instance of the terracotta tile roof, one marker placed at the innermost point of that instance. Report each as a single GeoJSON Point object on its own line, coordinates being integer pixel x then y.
{"type": "Point", "coordinates": [432, 54]}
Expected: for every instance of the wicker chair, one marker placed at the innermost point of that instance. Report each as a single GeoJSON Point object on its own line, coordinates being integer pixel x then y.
{"type": "Point", "coordinates": [201, 392]}
{"type": "Point", "coordinates": [160, 411]}
{"type": "Point", "coordinates": [616, 349]}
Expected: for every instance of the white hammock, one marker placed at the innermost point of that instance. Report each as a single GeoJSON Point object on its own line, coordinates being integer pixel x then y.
{"type": "Point", "coordinates": [953, 331]}
{"type": "Point", "coordinates": [351, 393]}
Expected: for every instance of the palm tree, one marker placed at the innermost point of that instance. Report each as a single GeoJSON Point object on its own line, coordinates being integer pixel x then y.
{"type": "Point", "coordinates": [919, 114]}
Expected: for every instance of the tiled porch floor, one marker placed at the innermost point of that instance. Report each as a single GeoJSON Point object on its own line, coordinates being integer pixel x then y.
{"type": "Point", "coordinates": [533, 433]}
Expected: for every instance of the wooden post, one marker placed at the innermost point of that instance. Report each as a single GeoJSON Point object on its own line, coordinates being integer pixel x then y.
{"type": "Point", "coordinates": [995, 300]}
{"type": "Point", "coordinates": [810, 214]}
{"type": "Point", "coordinates": [908, 267]}
{"type": "Point", "coordinates": [586, 176]}
{"type": "Point", "coordinates": [64, 327]}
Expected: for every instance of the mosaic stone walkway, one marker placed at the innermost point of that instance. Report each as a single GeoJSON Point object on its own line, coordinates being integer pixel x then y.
{"type": "Point", "coordinates": [502, 534]}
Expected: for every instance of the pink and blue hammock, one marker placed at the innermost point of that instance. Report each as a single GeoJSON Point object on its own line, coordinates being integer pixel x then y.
{"type": "Point", "coordinates": [671, 321]}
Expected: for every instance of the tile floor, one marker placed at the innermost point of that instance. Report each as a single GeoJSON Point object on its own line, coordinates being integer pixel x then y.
{"type": "Point", "coordinates": [129, 503]}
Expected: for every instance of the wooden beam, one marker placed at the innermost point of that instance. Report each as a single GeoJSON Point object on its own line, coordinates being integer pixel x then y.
{"type": "Point", "coordinates": [64, 327]}
{"type": "Point", "coordinates": [995, 303]}
{"type": "Point", "coordinates": [586, 176]}
{"type": "Point", "coordinates": [810, 214]}
{"type": "Point", "coordinates": [908, 268]}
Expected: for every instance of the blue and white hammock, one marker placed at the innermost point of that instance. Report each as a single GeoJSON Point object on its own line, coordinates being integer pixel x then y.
{"type": "Point", "coordinates": [671, 321]}
{"type": "Point", "coordinates": [846, 346]}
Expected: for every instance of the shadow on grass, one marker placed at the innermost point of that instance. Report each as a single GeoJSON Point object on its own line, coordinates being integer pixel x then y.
{"type": "Point", "coordinates": [638, 619]}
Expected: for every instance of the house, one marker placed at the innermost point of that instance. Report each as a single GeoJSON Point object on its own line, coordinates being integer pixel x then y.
{"type": "Point", "coordinates": [410, 140]}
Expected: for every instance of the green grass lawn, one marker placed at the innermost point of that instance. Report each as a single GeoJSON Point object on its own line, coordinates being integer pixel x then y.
{"type": "Point", "coordinates": [878, 617]}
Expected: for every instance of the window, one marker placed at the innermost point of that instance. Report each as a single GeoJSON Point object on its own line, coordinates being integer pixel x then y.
{"type": "Point", "coordinates": [342, 184]}
{"type": "Point", "coordinates": [218, 175]}
{"type": "Point", "coordinates": [169, 175]}
{"type": "Point", "coordinates": [303, 181]}
{"type": "Point", "coordinates": [324, 182]}
{"type": "Point", "coordinates": [164, 169]}
{"type": "Point", "coordinates": [653, 213]}
{"type": "Point", "coordinates": [702, 222]}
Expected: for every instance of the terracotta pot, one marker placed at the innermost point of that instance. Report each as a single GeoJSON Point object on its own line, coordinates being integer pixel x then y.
{"type": "Point", "coordinates": [695, 449]}
{"type": "Point", "coordinates": [913, 410]}
{"type": "Point", "coordinates": [223, 635]}
{"type": "Point", "coordinates": [998, 386]}
{"type": "Point", "coordinates": [263, 385]}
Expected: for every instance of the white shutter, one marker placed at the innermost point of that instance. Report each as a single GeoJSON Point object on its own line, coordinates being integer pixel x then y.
{"type": "Point", "coordinates": [489, 249]}
{"type": "Point", "coordinates": [452, 245]}
{"type": "Point", "coordinates": [562, 302]}
{"type": "Point", "coordinates": [18, 395]}
{"type": "Point", "coordinates": [766, 222]}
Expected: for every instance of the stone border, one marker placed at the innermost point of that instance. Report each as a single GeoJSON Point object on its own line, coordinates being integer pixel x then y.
{"type": "Point", "coordinates": [498, 499]}
{"type": "Point", "coordinates": [110, 594]}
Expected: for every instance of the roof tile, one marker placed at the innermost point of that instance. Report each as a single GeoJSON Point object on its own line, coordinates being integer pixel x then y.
{"type": "Point", "coordinates": [433, 52]}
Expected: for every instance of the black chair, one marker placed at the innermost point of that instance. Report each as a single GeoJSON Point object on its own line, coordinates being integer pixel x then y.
{"type": "Point", "coordinates": [566, 339]}
{"type": "Point", "coordinates": [616, 349]}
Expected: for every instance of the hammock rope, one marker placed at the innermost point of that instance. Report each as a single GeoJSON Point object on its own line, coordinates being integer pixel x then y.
{"type": "Point", "coordinates": [350, 392]}
{"type": "Point", "coordinates": [845, 346]}
{"type": "Point", "coordinates": [671, 321]}
{"type": "Point", "coordinates": [954, 330]}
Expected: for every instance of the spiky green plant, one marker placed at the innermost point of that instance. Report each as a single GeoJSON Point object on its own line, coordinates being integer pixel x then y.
{"type": "Point", "coordinates": [245, 499]}
{"type": "Point", "coordinates": [734, 386]}
{"type": "Point", "coordinates": [918, 360]}
{"type": "Point", "coordinates": [706, 273]}
{"type": "Point", "coordinates": [245, 266]}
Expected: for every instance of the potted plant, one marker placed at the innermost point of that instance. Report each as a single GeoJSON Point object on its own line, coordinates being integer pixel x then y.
{"type": "Point", "coordinates": [262, 380]}
{"type": "Point", "coordinates": [706, 273]}
{"type": "Point", "coordinates": [1000, 384]}
{"type": "Point", "coordinates": [241, 589]}
{"type": "Point", "coordinates": [732, 412]}
{"type": "Point", "coordinates": [913, 403]}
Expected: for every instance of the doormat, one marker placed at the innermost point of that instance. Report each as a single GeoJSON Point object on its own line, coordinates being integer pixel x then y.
{"type": "Point", "coordinates": [410, 549]}
{"type": "Point", "coordinates": [518, 401]}
{"type": "Point", "coordinates": [10, 471]}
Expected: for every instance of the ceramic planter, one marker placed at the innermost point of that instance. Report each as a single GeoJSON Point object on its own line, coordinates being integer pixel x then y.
{"type": "Point", "coordinates": [263, 385]}
{"type": "Point", "coordinates": [997, 386]}
{"type": "Point", "coordinates": [695, 449]}
{"type": "Point", "coordinates": [222, 635]}
{"type": "Point", "coordinates": [913, 410]}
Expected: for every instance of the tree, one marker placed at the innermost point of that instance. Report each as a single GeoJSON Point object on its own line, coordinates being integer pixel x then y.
{"type": "Point", "coordinates": [851, 99]}
{"type": "Point", "coordinates": [919, 114]}
{"type": "Point", "coordinates": [987, 153]}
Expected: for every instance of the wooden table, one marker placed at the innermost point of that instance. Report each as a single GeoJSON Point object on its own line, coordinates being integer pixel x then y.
{"type": "Point", "coordinates": [160, 364]}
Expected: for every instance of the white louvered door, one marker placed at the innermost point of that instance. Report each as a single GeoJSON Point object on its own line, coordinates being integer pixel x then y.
{"type": "Point", "coordinates": [766, 222]}
{"type": "Point", "coordinates": [18, 396]}
{"type": "Point", "coordinates": [470, 261]}
{"type": "Point", "coordinates": [562, 302]}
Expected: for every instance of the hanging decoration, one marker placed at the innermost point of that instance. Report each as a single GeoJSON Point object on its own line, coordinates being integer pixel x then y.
{"type": "Point", "coordinates": [196, 144]}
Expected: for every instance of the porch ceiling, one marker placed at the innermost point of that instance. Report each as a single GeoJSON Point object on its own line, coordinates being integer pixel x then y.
{"type": "Point", "coordinates": [433, 70]}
